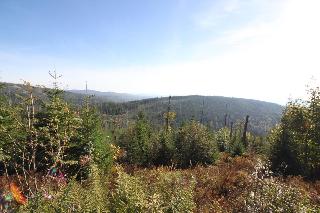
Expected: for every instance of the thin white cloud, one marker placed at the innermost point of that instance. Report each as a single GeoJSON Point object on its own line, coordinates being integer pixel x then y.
{"type": "Point", "coordinates": [218, 13]}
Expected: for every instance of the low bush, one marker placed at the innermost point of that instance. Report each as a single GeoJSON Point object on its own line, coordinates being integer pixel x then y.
{"type": "Point", "coordinates": [153, 191]}
{"type": "Point", "coordinates": [267, 194]}
{"type": "Point", "coordinates": [89, 196]}
{"type": "Point", "coordinates": [195, 145]}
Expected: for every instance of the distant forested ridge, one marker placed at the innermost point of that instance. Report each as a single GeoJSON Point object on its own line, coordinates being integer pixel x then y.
{"type": "Point", "coordinates": [212, 111]}
{"type": "Point", "coordinates": [111, 96]}
{"type": "Point", "coordinates": [75, 97]}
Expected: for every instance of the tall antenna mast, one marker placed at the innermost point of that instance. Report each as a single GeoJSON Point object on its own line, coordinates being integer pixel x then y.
{"type": "Point", "coordinates": [87, 87]}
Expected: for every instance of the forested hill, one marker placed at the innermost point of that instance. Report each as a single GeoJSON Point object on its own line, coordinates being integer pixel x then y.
{"type": "Point", "coordinates": [111, 96]}
{"type": "Point", "coordinates": [213, 111]}
{"type": "Point", "coordinates": [74, 96]}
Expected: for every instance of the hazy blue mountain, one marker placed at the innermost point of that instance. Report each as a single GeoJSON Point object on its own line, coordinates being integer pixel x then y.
{"type": "Point", "coordinates": [75, 96]}
{"type": "Point", "coordinates": [111, 96]}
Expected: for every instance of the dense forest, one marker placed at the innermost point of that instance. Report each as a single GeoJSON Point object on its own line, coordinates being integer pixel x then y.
{"type": "Point", "coordinates": [67, 152]}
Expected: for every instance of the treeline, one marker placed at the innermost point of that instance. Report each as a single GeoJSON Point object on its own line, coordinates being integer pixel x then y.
{"type": "Point", "coordinates": [189, 145]}
{"type": "Point", "coordinates": [214, 112]}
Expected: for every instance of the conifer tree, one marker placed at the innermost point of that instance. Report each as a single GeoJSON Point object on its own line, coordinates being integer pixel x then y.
{"type": "Point", "coordinates": [296, 141]}
{"type": "Point", "coordinates": [165, 142]}
{"type": "Point", "coordinates": [59, 124]}
{"type": "Point", "coordinates": [92, 143]}
{"type": "Point", "coordinates": [195, 145]}
{"type": "Point", "coordinates": [136, 141]}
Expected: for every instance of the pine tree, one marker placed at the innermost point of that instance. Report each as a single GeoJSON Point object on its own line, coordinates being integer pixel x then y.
{"type": "Point", "coordinates": [58, 124]}
{"type": "Point", "coordinates": [195, 145]}
{"type": "Point", "coordinates": [136, 141]}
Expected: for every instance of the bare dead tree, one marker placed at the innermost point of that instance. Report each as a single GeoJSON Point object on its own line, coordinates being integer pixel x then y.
{"type": "Point", "coordinates": [245, 129]}
{"type": "Point", "coordinates": [55, 78]}
{"type": "Point", "coordinates": [225, 119]}
{"type": "Point", "coordinates": [33, 133]}
{"type": "Point", "coordinates": [168, 116]}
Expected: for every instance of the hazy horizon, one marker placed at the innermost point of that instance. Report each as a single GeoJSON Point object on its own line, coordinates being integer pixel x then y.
{"type": "Point", "coordinates": [256, 49]}
{"type": "Point", "coordinates": [144, 96]}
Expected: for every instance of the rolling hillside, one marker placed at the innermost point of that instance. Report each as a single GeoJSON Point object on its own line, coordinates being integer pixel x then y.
{"type": "Point", "coordinates": [211, 110]}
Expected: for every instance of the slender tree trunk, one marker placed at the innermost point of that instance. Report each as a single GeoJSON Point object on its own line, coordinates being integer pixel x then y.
{"type": "Point", "coordinates": [245, 129]}
{"type": "Point", "coordinates": [167, 117]}
{"type": "Point", "coordinates": [225, 120]}
{"type": "Point", "coordinates": [231, 130]}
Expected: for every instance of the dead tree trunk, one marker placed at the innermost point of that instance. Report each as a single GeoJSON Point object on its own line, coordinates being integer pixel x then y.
{"type": "Point", "coordinates": [244, 136]}
{"type": "Point", "coordinates": [225, 120]}
{"type": "Point", "coordinates": [168, 116]}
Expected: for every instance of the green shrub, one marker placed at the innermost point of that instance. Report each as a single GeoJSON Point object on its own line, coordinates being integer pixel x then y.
{"type": "Point", "coordinates": [233, 143]}
{"type": "Point", "coordinates": [259, 145]}
{"type": "Point", "coordinates": [222, 136]}
{"type": "Point", "coordinates": [174, 191]}
{"type": "Point", "coordinates": [129, 194]}
{"type": "Point", "coordinates": [155, 191]}
{"type": "Point", "coordinates": [195, 145]}
{"type": "Point", "coordinates": [88, 196]}
{"type": "Point", "coordinates": [163, 148]}
{"type": "Point", "coordinates": [137, 142]}
{"type": "Point", "coordinates": [92, 141]}
{"type": "Point", "coordinates": [295, 142]}
{"type": "Point", "coordinates": [236, 147]}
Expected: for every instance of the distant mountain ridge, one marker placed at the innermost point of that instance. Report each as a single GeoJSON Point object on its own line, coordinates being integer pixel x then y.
{"type": "Point", "coordinates": [75, 96]}
{"type": "Point", "coordinates": [111, 96]}
{"type": "Point", "coordinates": [211, 110]}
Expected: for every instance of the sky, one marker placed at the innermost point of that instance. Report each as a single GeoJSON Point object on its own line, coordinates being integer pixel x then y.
{"type": "Point", "coordinates": [259, 49]}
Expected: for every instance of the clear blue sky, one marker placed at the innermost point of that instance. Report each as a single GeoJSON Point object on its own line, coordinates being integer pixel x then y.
{"type": "Point", "coordinates": [107, 33]}
{"type": "Point", "coordinates": [163, 47]}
